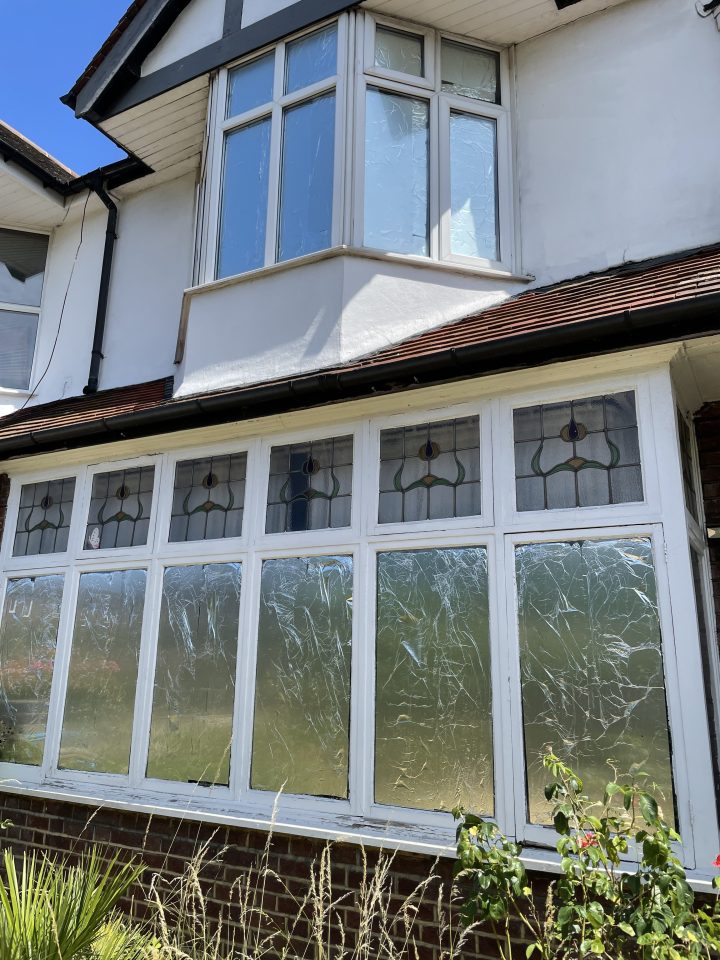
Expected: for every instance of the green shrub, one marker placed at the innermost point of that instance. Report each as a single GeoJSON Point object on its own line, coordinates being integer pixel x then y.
{"type": "Point", "coordinates": [622, 892]}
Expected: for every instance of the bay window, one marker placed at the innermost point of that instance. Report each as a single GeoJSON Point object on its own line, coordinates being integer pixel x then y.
{"type": "Point", "coordinates": [362, 132]}
{"type": "Point", "coordinates": [380, 619]}
{"type": "Point", "coordinates": [22, 271]}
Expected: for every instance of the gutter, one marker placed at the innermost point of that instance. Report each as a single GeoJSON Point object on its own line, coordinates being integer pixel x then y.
{"type": "Point", "coordinates": [648, 326]}
{"type": "Point", "coordinates": [96, 182]}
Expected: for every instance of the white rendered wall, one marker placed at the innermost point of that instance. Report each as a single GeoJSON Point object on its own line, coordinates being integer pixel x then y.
{"type": "Point", "coordinates": [151, 268]}
{"type": "Point", "coordinates": [254, 10]}
{"type": "Point", "coordinates": [618, 138]}
{"type": "Point", "coordinates": [319, 315]}
{"type": "Point", "coordinates": [199, 24]}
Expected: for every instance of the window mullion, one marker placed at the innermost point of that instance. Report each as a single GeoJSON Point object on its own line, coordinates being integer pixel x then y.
{"type": "Point", "coordinates": [142, 717]}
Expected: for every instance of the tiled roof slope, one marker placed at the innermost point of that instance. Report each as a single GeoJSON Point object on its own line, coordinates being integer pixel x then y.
{"type": "Point", "coordinates": [84, 410]}
{"type": "Point", "coordinates": [566, 308]}
{"type": "Point", "coordinates": [629, 287]}
{"type": "Point", "coordinates": [15, 143]}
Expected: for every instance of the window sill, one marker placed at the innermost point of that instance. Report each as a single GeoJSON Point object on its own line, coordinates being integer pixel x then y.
{"type": "Point", "coordinates": [14, 393]}
{"type": "Point", "coordinates": [364, 253]}
{"type": "Point", "coordinates": [408, 838]}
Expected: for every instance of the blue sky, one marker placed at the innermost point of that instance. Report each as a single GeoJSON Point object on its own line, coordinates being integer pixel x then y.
{"type": "Point", "coordinates": [44, 46]}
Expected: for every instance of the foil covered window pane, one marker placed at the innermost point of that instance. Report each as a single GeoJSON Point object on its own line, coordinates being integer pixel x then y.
{"type": "Point", "coordinates": [251, 85]}
{"type": "Point", "coordinates": [396, 173]}
{"type": "Point", "coordinates": [310, 485]}
{"type": "Point", "coordinates": [119, 514]}
{"type": "Point", "coordinates": [433, 714]}
{"type": "Point", "coordinates": [400, 51]}
{"type": "Point", "coordinates": [470, 72]}
{"type": "Point", "coordinates": [593, 684]}
{"type": "Point", "coordinates": [243, 208]}
{"type": "Point", "coordinates": [22, 267]}
{"type": "Point", "coordinates": [28, 637]}
{"type": "Point", "coordinates": [430, 471]}
{"type": "Point", "coordinates": [44, 515]}
{"type": "Point", "coordinates": [473, 186]}
{"type": "Point", "coordinates": [100, 699]}
{"type": "Point", "coordinates": [686, 461]}
{"type": "Point", "coordinates": [18, 332]}
{"type": "Point", "coordinates": [306, 188]}
{"type": "Point", "coordinates": [208, 499]}
{"type": "Point", "coordinates": [194, 696]}
{"type": "Point", "coordinates": [302, 691]}
{"type": "Point", "coordinates": [311, 59]}
{"type": "Point", "coordinates": [579, 453]}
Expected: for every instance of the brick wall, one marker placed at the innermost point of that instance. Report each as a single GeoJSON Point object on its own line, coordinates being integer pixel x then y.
{"type": "Point", "coordinates": [165, 845]}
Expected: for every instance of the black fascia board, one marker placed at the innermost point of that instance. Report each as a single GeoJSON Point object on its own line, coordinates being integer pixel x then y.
{"type": "Point", "coordinates": [649, 326]}
{"type": "Point", "coordinates": [10, 155]}
{"type": "Point", "coordinates": [126, 89]}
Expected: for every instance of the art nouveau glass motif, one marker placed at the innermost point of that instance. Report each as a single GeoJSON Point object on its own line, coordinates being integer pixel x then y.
{"type": "Point", "coordinates": [209, 498]}
{"type": "Point", "coordinates": [310, 485]}
{"type": "Point", "coordinates": [43, 523]}
{"type": "Point", "coordinates": [579, 453]}
{"type": "Point", "coordinates": [433, 710]}
{"type": "Point", "coordinates": [430, 471]}
{"type": "Point", "coordinates": [593, 682]}
{"type": "Point", "coordinates": [28, 636]}
{"type": "Point", "coordinates": [302, 690]}
{"type": "Point", "coordinates": [119, 513]}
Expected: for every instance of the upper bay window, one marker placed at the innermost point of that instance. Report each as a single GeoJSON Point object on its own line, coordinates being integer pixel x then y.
{"type": "Point", "coordinates": [22, 271]}
{"type": "Point", "coordinates": [364, 132]}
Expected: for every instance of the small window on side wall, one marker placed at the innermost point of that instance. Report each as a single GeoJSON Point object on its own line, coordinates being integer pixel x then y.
{"type": "Point", "coordinates": [578, 453]}
{"type": "Point", "coordinates": [22, 271]}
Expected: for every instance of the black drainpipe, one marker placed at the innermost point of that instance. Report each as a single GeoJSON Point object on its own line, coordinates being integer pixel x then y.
{"type": "Point", "coordinates": [97, 185]}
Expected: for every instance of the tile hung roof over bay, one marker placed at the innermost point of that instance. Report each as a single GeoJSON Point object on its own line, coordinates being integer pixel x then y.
{"type": "Point", "coordinates": [573, 313]}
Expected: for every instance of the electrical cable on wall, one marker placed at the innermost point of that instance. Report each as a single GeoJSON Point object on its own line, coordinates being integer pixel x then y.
{"type": "Point", "coordinates": [64, 303]}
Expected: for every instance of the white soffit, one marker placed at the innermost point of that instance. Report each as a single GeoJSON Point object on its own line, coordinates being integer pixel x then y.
{"type": "Point", "coordinates": [25, 207]}
{"type": "Point", "coordinates": [199, 25]}
{"type": "Point", "coordinates": [168, 131]}
{"type": "Point", "coordinates": [496, 21]}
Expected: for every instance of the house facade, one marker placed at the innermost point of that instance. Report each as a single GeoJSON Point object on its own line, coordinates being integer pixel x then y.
{"type": "Point", "coordinates": [360, 432]}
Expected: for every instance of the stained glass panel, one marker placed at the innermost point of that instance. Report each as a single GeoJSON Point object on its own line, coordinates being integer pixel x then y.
{"type": "Point", "coordinates": [209, 498]}
{"type": "Point", "coordinates": [593, 682]}
{"type": "Point", "coordinates": [310, 485]}
{"type": "Point", "coordinates": [28, 636]}
{"type": "Point", "coordinates": [579, 453]}
{"type": "Point", "coordinates": [686, 461]}
{"type": "Point", "coordinates": [119, 513]}
{"type": "Point", "coordinates": [302, 690]}
{"type": "Point", "coordinates": [100, 699]}
{"type": "Point", "coordinates": [433, 711]}
{"type": "Point", "coordinates": [430, 471]}
{"type": "Point", "coordinates": [194, 696]}
{"type": "Point", "coordinates": [43, 524]}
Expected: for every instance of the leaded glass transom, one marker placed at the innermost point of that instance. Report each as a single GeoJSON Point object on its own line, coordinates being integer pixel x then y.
{"type": "Point", "coordinates": [119, 514]}
{"type": "Point", "coordinates": [310, 485]}
{"type": "Point", "coordinates": [686, 460]}
{"type": "Point", "coordinates": [209, 498]}
{"type": "Point", "coordinates": [578, 453]}
{"type": "Point", "coordinates": [430, 471]}
{"type": "Point", "coordinates": [43, 523]}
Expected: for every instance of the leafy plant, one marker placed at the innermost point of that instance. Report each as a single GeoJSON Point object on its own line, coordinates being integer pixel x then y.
{"type": "Point", "coordinates": [622, 893]}
{"type": "Point", "coordinates": [52, 912]}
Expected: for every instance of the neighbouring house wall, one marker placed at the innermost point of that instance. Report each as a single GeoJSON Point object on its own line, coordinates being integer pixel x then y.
{"type": "Point", "coordinates": [616, 141]}
{"type": "Point", "coordinates": [166, 845]}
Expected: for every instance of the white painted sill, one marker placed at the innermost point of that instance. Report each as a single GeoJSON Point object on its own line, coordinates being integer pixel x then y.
{"type": "Point", "coordinates": [363, 253]}
{"type": "Point", "coordinates": [390, 836]}
{"type": "Point", "coordinates": [14, 394]}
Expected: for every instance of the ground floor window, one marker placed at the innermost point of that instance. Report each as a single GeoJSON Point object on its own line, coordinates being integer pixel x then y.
{"type": "Point", "coordinates": [374, 619]}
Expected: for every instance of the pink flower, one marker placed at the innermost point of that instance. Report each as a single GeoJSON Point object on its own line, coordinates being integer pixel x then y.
{"type": "Point", "coordinates": [590, 840]}
{"type": "Point", "coordinates": [716, 861]}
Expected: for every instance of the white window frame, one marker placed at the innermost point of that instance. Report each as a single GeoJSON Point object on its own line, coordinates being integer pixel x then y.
{"type": "Point", "coordinates": [7, 307]}
{"type": "Point", "coordinates": [440, 104]}
{"type": "Point", "coordinates": [499, 529]}
{"type": "Point", "coordinates": [274, 109]}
